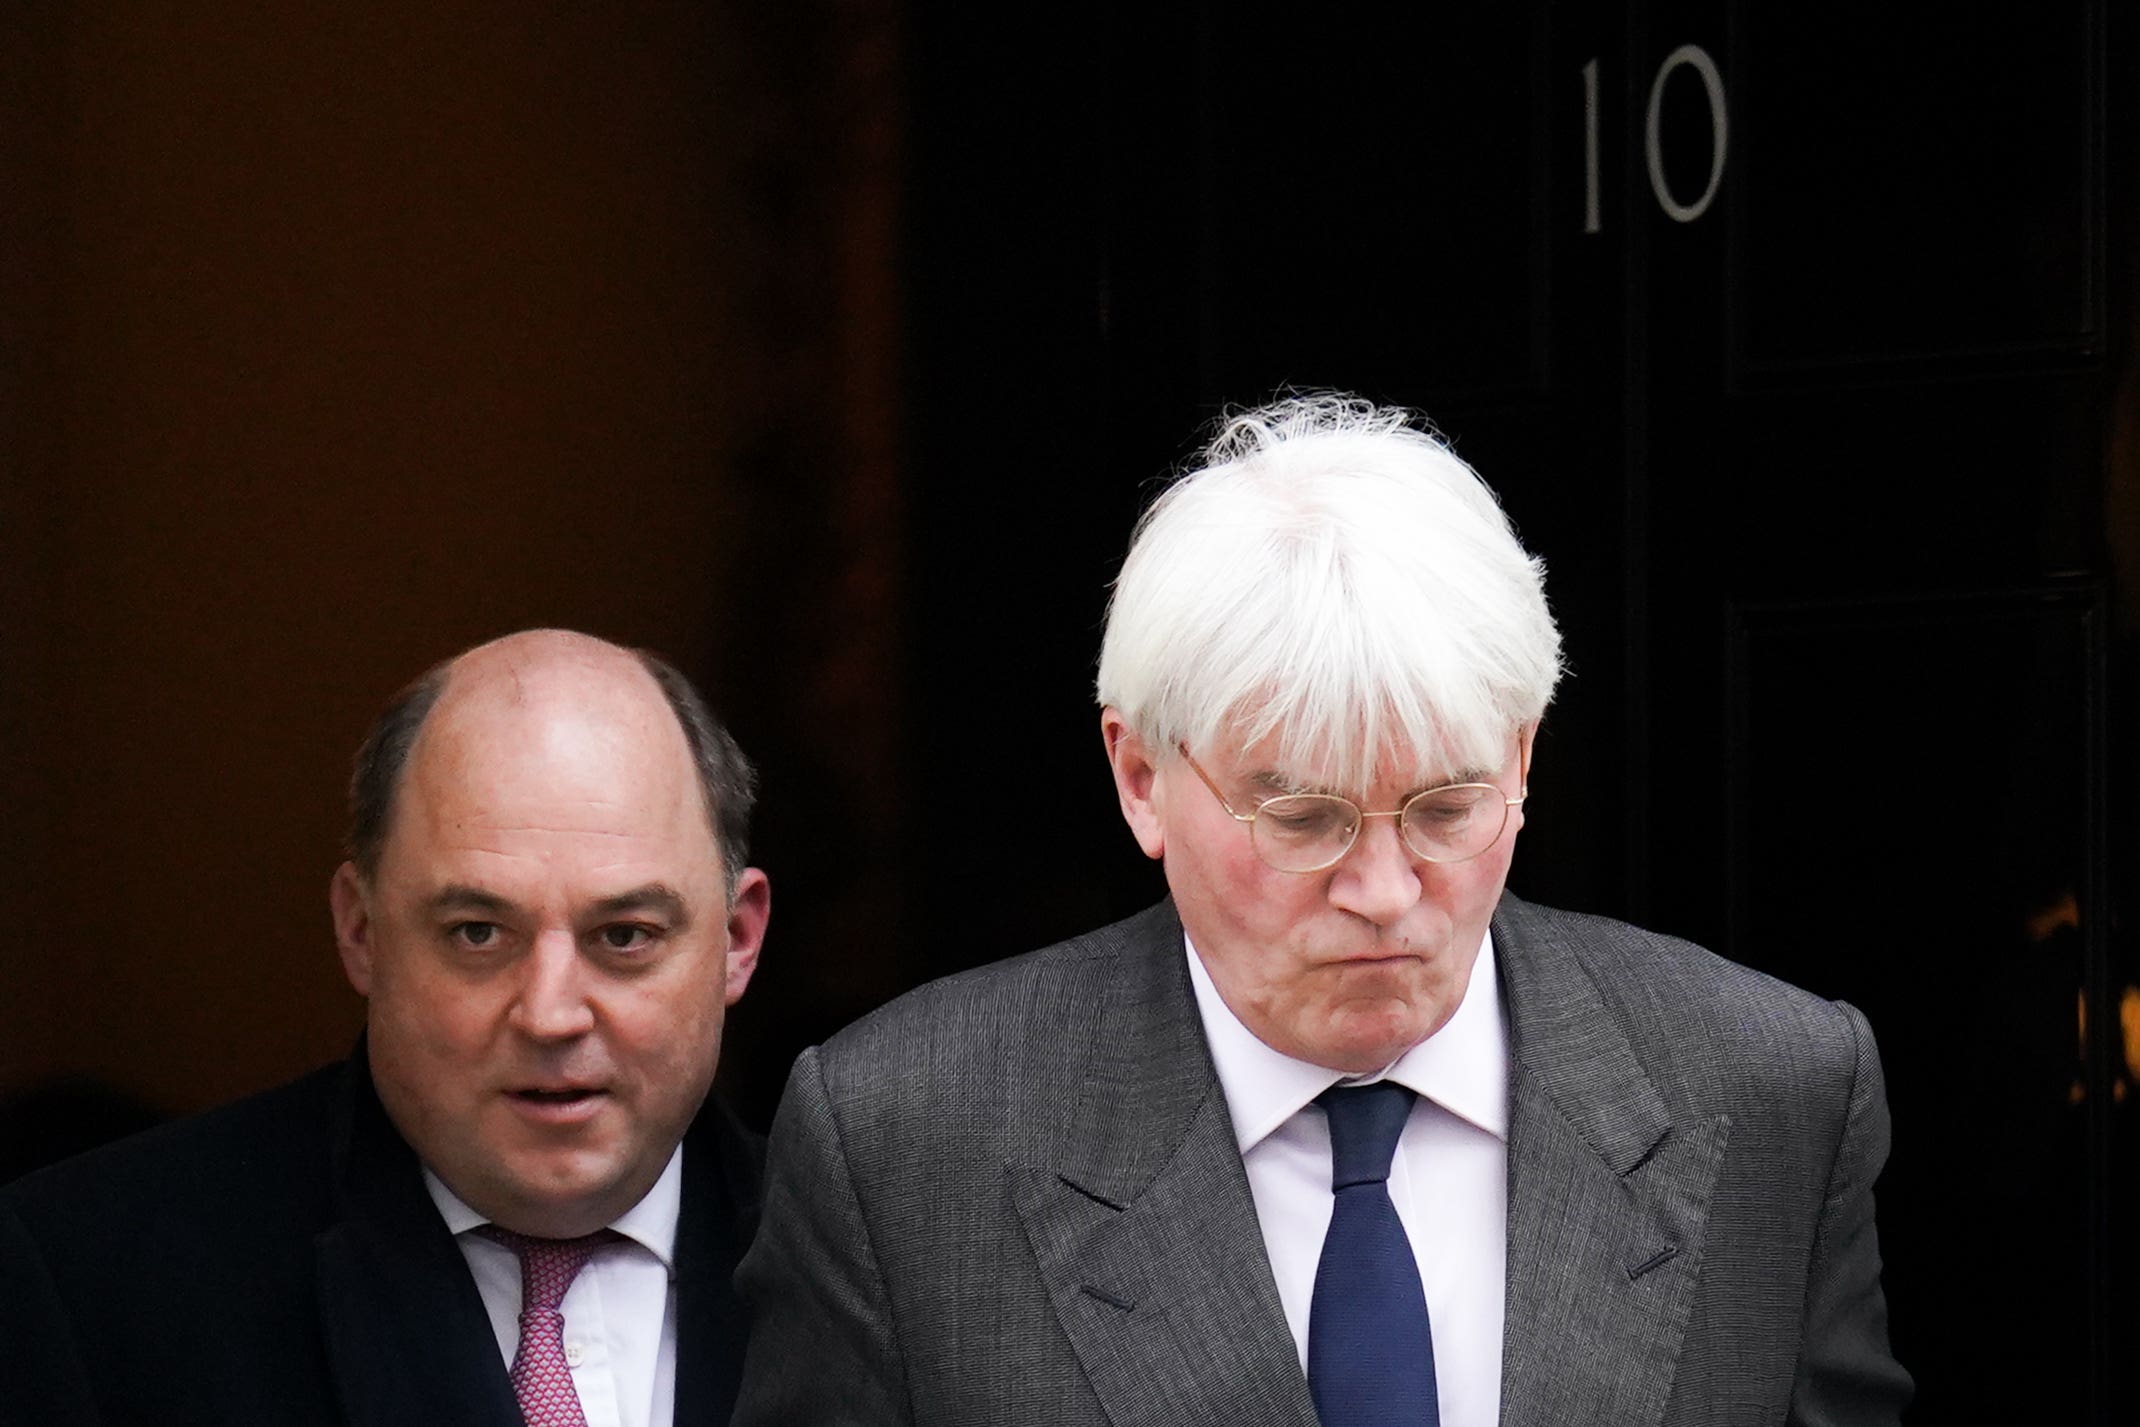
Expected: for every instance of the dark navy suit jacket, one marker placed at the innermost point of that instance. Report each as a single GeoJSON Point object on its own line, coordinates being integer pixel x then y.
{"type": "Point", "coordinates": [279, 1261]}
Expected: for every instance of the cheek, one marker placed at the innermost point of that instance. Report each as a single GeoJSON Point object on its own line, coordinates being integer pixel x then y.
{"type": "Point", "coordinates": [1256, 906]}
{"type": "Point", "coordinates": [671, 1026]}
{"type": "Point", "coordinates": [1243, 887]}
{"type": "Point", "coordinates": [1484, 877]}
{"type": "Point", "coordinates": [423, 1014]}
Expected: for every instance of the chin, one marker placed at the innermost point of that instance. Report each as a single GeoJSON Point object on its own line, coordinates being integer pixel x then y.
{"type": "Point", "coordinates": [1359, 1049]}
{"type": "Point", "coordinates": [568, 1209]}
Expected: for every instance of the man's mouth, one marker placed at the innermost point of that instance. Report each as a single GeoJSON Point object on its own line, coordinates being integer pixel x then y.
{"type": "Point", "coordinates": [557, 1107]}
{"type": "Point", "coordinates": [1371, 955]}
{"type": "Point", "coordinates": [555, 1099]}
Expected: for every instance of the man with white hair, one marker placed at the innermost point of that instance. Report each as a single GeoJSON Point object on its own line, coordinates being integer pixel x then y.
{"type": "Point", "coordinates": [1339, 1132]}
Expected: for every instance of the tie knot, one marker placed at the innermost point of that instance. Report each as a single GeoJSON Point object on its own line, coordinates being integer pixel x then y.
{"type": "Point", "coordinates": [547, 1266]}
{"type": "Point", "coordinates": [1365, 1121]}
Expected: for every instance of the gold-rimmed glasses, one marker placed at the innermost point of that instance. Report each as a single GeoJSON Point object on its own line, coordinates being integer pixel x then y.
{"type": "Point", "coordinates": [1307, 832]}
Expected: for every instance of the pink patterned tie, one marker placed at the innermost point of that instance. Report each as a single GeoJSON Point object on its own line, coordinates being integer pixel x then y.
{"type": "Point", "coordinates": [541, 1378]}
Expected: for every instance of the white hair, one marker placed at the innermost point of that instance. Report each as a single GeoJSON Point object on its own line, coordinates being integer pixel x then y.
{"type": "Point", "coordinates": [1331, 574]}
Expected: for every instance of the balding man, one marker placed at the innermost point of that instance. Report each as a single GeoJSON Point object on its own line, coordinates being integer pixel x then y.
{"type": "Point", "coordinates": [512, 1204]}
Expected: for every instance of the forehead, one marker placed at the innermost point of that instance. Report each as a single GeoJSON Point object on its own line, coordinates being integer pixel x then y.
{"type": "Point", "coordinates": [528, 768]}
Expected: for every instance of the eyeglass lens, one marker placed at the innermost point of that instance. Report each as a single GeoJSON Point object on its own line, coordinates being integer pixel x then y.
{"type": "Point", "coordinates": [1304, 831]}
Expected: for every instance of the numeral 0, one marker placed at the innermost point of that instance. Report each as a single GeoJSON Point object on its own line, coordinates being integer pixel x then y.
{"type": "Point", "coordinates": [1696, 58]}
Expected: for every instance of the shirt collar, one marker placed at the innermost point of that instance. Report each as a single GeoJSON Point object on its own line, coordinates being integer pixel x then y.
{"type": "Point", "coordinates": [651, 1222]}
{"type": "Point", "coordinates": [1463, 1067]}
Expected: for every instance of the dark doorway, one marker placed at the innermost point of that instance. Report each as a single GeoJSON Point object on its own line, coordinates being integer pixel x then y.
{"type": "Point", "coordinates": [1795, 339]}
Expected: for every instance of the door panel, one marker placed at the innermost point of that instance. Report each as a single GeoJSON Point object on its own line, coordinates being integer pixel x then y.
{"type": "Point", "coordinates": [1914, 788]}
{"type": "Point", "coordinates": [1789, 337]}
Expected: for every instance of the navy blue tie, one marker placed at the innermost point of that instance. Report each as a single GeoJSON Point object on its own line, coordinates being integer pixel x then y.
{"type": "Point", "coordinates": [1370, 1350]}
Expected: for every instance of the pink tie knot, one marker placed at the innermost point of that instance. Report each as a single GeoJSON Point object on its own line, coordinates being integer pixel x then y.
{"type": "Point", "coordinates": [548, 1266]}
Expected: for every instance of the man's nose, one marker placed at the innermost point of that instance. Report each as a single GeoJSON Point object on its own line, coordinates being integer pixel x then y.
{"type": "Point", "coordinates": [552, 1004]}
{"type": "Point", "coordinates": [1376, 878]}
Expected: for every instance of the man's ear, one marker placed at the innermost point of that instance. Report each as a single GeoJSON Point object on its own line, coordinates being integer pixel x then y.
{"type": "Point", "coordinates": [748, 914]}
{"type": "Point", "coordinates": [1136, 780]}
{"type": "Point", "coordinates": [1526, 740]}
{"type": "Point", "coordinates": [347, 899]}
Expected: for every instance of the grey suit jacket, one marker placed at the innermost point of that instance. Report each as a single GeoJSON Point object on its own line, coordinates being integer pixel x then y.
{"type": "Point", "coordinates": [1014, 1196]}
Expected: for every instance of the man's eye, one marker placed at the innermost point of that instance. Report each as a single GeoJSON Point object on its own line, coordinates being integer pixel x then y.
{"type": "Point", "coordinates": [1305, 816]}
{"type": "Point", "coordinates": [625, 936]}
{"type": "Point", "coordinates": [474, 934]}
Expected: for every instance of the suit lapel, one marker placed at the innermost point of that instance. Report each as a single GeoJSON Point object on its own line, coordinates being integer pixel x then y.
{"type": "Point", "coordinates": [407, 1336]}
{"type": "Point", "coordinates": [1142, 1224]}
{"type": "Point", "coordinates": [1146, 1235]}
{"type": "Point", "coordinates": [1607, 1198]}
{"type": "Point", "coordinates": [719, 1213]}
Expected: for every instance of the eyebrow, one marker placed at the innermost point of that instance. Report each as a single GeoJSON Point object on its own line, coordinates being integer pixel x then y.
{"type": "Point", "coordinates": [656, 897]}
{"type": "Point", "coordinates": [1277, 784]}
{"type": "Point", "coordinates": [456, 897]}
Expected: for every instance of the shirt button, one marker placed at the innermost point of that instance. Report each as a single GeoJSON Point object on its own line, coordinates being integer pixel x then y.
{"type": "Point", "coordinates": [575, 1354]}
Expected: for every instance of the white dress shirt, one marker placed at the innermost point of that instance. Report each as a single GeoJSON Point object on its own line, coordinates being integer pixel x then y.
{"type": "Point", "coordinates": [1449, 1179]}
{"type": "Point", "coordinates": [620, 1313]}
